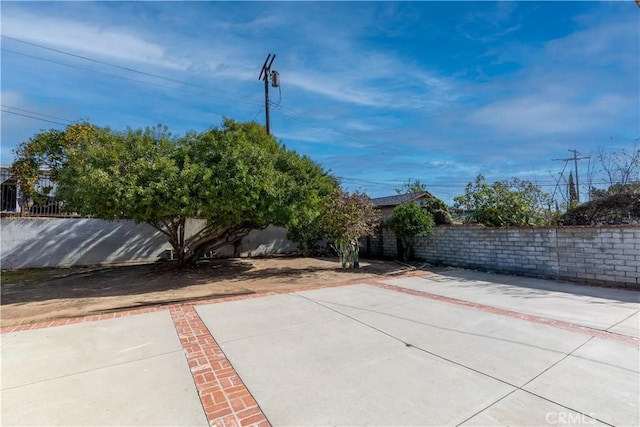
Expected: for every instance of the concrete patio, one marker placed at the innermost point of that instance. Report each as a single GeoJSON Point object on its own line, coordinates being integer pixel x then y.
{"type": "Point", "coordinates": [454, 348]}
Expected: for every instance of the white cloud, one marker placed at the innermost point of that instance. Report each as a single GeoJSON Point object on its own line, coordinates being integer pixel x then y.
{"type": "Point", "coordinates": [389, 84]}
{"type": "Point", "coordinates": [598, 44]}
{"type": "Point", "coordinates": [566, 86]}
{"type": "Point", "coordinates": [545, 115]}
{"type": "Point", "coordinates": [87, 39]}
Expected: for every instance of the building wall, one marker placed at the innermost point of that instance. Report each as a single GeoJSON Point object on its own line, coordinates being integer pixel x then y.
{"type": "Point", "coordinates": [62, 242]}
{"type": "Point", "coordinates": [598, 255]}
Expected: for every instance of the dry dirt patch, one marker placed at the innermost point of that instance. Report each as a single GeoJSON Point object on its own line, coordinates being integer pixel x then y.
{"type": "Point", "coordinates": [30, 296]}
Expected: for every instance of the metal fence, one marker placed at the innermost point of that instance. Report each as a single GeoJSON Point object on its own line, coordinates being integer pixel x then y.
{"type": "Point", "coordinates": [12, 203]}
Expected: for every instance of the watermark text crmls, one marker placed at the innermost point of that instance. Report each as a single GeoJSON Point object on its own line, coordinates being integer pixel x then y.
{"type": "Point", "coordinates": [570, 418]}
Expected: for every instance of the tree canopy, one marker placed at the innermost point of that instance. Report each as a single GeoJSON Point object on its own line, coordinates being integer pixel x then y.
{"type": "Point", "coordinates": [411, 186]}
{"type": "Point", "coordinates": [347, 218]}
{"type": "Point", "coordinates": [409, 221]}
{"type": "Point", "coordinates": [506, 203]}
{"type": "Point", "coordinates": [619, 204]}
{"type": "Point", "coordinates": [45, 151]}
{"type": "Point", "coordinates": [436, 207]}
{"type": "Point", "coordinates": [234, 179]}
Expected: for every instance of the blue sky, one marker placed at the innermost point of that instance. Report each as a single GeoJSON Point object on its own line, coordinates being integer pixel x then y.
{"type": "Point", "coordinates": [376, 92]}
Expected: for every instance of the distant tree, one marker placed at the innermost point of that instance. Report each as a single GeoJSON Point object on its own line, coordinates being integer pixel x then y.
{"type": "Point", "coordinates": [438, 210]}
{"type": "Point", "coordinates": [615, 169]}
{"type": "Point", "coordinates": [617, 205]}
{"type": "Point", "coordinates": [436, 207]}
{"type": "Point", "coordinates": [411, 186]}
{"type": "Point", "coordinates": [45, 151]}
{"type": "Point", "coordinates": [409, 221]}
{"type": "Point", "coordinates": [232, 179]}
{"type": "Point", "coordinates": [573, 194]}
{"type": "Point", "coordinates": [621, 166]}
{"type": "Point", "coordinates": [347, 218]}
{"type": "Point", "coordinates": [506, 203]}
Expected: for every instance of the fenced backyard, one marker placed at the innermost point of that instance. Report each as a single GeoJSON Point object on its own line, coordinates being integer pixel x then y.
{"type": "Point", "coordinates": [601, 255]}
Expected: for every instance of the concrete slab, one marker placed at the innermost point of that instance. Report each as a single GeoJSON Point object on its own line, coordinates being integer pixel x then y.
{"type": "Point", "coordinates": [358, 298]}
{"type": "Point", "coordinates": [527, 410]}
{"type": "Point", "coordinates": [614, 294]}
{"type": "Point", "coordinates": [337, 371]}
{"type": "Point", "coordinates": [630, 326]}
{"type": "Point", "coordinates": [65, 350]}
{"type": "Point", "coordinates": [151, 392]}
{"type": "Point", "coordinates": [553, 300]}
{"type": "Point", "coordinates": [602, 379]}
{"type": "Point", "coordinates": [123, 371]}
{"type": "Point", "coordinates": [247, 318]}
{"type": "Point", "coordinates": [349, 355]}
{"type": "Point", "coordinates": [512, 350]}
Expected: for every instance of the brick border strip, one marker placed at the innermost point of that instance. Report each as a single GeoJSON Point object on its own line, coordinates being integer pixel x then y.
{"type": "Point", "coordinates": [213, 300]}
{"type": "Point", "coordinates": [611, 336]}
{"type": "Point", "coordinates": [225, 398]}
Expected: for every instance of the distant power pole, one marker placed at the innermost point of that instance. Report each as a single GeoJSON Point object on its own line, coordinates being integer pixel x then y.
{"type": "Point", "coordinates": [266, 74]}
{"type": "Point", "coordinates": [575, 159]}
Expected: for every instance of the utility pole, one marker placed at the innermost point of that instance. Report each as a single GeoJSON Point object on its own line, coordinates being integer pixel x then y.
{"type": "Point", "coordinates": [575, 159]}
{"type": "Point", "coordinates": [266, 74]}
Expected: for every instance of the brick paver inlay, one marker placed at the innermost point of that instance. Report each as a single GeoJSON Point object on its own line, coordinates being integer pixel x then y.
{"type": "Point", "coordinates": [611, 336]}
{"type": "Point", "coordinates": [225, 398]}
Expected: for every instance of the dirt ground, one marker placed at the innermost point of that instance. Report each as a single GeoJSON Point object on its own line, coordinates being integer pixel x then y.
{"type": "Point", "coordinates": [36, 295]}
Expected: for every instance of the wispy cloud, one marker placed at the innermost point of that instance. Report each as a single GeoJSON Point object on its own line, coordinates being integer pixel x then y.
{"type": "Point", "coordinates": [378, 91]}
{"type": "Point", "coordinates": [84, 38]}
{"type": "Point", "coordinates": [542, 115]}
{"type": "Point", "coordinates": [566, 86]}
{"type": "Point", "coordinates": [387, 82]}
{"type": "Point", "coordinates": [490, 23]}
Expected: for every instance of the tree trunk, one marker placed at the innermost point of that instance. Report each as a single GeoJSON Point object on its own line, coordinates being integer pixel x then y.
{"type": "Point", "coordinates": [189, 249]}
{"type": "Point", "coordinates": [400, 247]}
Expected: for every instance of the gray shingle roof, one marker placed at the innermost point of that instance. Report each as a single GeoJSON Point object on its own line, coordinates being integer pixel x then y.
{"type": "Point", "coordinates": [399, 199]}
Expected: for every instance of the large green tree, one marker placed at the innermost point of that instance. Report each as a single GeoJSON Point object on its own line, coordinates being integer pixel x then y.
{"type": "Point", "coordinates": [308, 227]}
{"type": "Point", "coordinates": [409, 221]}
{"type": "Point", "coordinates": [506, 203]}
{"type": "Point", "coordinates": [231, 180]}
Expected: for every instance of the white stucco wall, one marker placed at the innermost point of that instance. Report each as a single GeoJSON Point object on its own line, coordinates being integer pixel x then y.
{"type": "Point", "coordinates": [61, 242]}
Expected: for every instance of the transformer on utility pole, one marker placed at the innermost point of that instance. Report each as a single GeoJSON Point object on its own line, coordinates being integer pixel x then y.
{"type": "Point", "coordinates": [266, 74]}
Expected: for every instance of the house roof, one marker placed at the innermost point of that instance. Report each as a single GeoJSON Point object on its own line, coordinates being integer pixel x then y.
{"type": "Point", "coordinates": [399, 199]}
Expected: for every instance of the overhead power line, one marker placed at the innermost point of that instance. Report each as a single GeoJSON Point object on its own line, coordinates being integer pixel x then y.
{"type": "Point", "coordinates": [97, 61]}
{"type": "Point", "coordinates": [217, 92]}
{"type": "Point", "coordinates": [34, 112]}
{"type": "Point", "coordinates": [575, 159]}
{"type": "Point", "coordinates": [190, 92]}
{"type": "Point", "coordinates": [33, 117]}
{"type": "Point", "coordinates": [235, 95]}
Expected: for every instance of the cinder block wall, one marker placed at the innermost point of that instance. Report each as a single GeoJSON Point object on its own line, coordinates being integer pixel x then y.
{"type": "Point", "coordinates": [598, 255]}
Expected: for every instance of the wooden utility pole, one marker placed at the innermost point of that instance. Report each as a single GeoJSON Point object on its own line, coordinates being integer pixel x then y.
{"type": "Point", "coordinates": [265, 74]}
{"type": "Point", "coordinates": [575, 159]}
